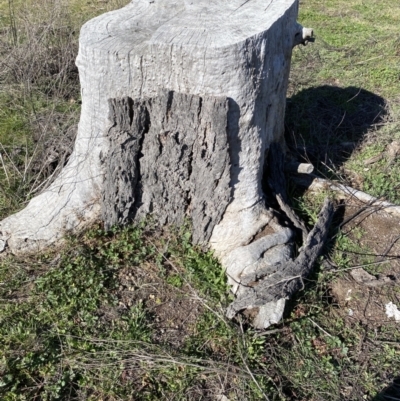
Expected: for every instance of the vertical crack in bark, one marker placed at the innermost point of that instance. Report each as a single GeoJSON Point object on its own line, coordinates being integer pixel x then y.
{"type": "Point", "coordinates": [199, 109]}
{"type": "Point", "coordinates": [169, 104]}
{"type": "Point", "coordinates": [121, 167]}
{"type": "Point", "coordinates": [137, 188]}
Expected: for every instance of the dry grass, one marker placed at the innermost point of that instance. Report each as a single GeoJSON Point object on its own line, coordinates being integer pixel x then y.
{"type": "Point", "coordinates": [39, 92]}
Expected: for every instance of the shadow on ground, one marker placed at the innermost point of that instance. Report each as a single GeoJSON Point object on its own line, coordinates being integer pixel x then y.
{"type": "Point", "coordinates": [390, 393]}
{"type": "Point", "coordinates": [323, 125]}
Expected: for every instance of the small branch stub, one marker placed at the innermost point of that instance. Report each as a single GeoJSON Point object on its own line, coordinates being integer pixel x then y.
{"type": "Point", "coordinates": [299, 168]}
{"type": "Point", "coordinates": [308, 35]}
{"type": "Point", "coordinates": [303, 36]}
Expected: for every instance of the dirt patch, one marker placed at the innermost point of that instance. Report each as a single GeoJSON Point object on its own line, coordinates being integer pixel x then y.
{"type": "Point", "coordinates": [267, 230]}
{"type": "Point", "coordinates": [361, 304]}
{"type": "Point", "coordinates": [173, 310]}
{"type": "Point", "coordinates": [363, 293]}
{"type": "Point", "coordinates": [380, 236]}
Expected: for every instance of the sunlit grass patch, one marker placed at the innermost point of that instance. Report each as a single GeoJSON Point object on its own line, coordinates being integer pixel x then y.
{"type": "Point", "coordinates": [68, 330]}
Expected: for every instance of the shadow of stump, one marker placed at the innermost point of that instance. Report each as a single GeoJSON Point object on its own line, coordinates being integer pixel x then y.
{"type": "Point", "coordinates": [392, 392]}
{"type": "Point", "coordinates": [324, 125]}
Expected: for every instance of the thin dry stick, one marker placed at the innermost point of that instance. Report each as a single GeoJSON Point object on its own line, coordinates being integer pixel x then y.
{"type": "Point", "coordinates": [26, 161]}
{"type": "Point", "coordinates": [9, 158]}
{"type": "Point", "coordinates": [34, 190]}
{"type": "Point", "coordinates": [319, 327]}
{"type": "Point", "coordinates": [135, 357]}
{"type": "Point", "coordinates": [5, 169]}
{"type": "Point", "coordinates": [314, 183]}
{"type": "Point", "coordinates": [251, 374]}
{"type": "Point", "coordinates": [364, 265]}
{"type": "Point", "coordinates": [388, 248]}
{"type": "Point", "coordinates": [268, 332]}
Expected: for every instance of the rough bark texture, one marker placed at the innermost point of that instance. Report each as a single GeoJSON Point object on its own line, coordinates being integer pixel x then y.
{"type": "Point", "coordinates": [168, 157]}
{"type": "Point", "coordinates": [130, 122]}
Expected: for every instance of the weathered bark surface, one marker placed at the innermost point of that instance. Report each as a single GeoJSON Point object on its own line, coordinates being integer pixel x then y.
{"type": "Point", "coordinates": [168, 157]}
{"type": "Point", "coordinates": [280, 281]}
{"type": "Point", "coordinates": [131, 121]}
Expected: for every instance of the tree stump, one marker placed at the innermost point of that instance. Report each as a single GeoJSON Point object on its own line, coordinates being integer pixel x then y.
{"type": "Point", "coordinates": [180, 103]}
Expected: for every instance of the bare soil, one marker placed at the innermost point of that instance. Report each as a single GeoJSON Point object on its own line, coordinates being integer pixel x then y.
{"type": "Point", "coordinates": [173, 310]}
{"type": "Point", "coordinates": [363, 293]}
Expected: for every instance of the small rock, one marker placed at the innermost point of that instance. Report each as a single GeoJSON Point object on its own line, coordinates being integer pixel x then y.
{"type": "Point", "coordinates": [222, 398]}
{"type": "Point", "coordinates": [393, 150]}
{"type": "Point", "coordinates": [392, 311]}
{"type": "Point", "coordinates": [361, 276]}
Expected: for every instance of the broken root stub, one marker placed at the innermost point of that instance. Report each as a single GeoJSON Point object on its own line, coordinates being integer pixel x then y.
{"type": "Point", "coordinates": [282, 280]}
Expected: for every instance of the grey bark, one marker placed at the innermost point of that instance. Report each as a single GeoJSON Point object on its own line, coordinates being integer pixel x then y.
{"type": "Point", "coordinates": [282, 280]}
{"type": "Point", "coordinates": [277, 184]}
{"type": "Point", "coordinates": [169, 157]}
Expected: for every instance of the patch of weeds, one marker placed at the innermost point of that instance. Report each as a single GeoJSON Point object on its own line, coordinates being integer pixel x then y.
{"type": "Point", "coordinates": [14, 127]}
{"type": "Point", "coordinates": [59, 318]}
{"type": "Point", "coordinates": [244, 351]}
{"type": "Point", "coordinates": [39, 84]}
{"type": "Point", "coordinates": [309, 204]}
{"type": "Point", "coordinates": [347, 252]}
{"type": "Point", "coordinates": [376, 171]}
{"type": "Point", "coordinates": [68, 331]}
{"type": "Point", "coordinates": [200, 268]}
{"type": "Point", "coordinates": [92, 323]}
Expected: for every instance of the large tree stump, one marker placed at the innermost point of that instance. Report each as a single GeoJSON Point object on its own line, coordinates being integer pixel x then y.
{"type": "Point", "coordinates": [180, 103]}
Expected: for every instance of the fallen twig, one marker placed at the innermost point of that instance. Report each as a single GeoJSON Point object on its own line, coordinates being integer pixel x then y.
{"type": "Point", "coordinates": [314, 183]}
{"type": "Point", "coordinates": [319, 327]}
{"type": "Point", "coordinates": [277, 183]}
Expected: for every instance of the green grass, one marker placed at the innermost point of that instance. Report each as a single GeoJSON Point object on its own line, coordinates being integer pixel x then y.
{"type": "Point", "coordinates": [357, 44]}
{"type": "Point", "coordinates": [64, 333]}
